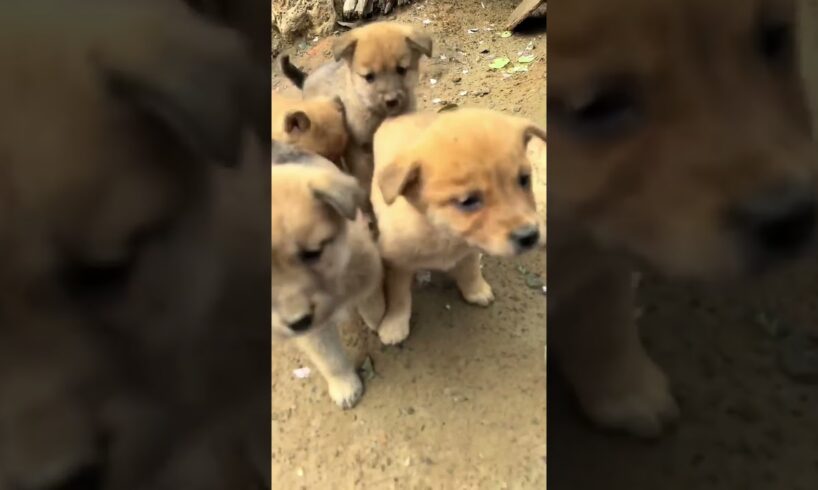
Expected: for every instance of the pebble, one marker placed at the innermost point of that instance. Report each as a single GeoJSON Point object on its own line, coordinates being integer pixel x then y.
{"type": "Point", "coordinates": [457, 79]}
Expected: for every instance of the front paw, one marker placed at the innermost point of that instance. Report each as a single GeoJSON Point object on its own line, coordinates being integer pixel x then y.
{"type": "Point", "coordinates": [345, 390]}
{"type": "Point", "coordinates": [393, 331]}
{"type": "Point", "coordinates": [479, 294]}
{"type": "Point", "coordinates": [636, 400]}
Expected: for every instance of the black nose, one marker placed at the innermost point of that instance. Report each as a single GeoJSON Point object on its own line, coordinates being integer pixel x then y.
{"type": "Point", "coordinates": [301, 324]}
{"type": "Point", "coordinates": [392, 102]}
{"type": "Point", "coordinates": [779, 224]}
{"type": "Point", "coordinates": [525, 238]}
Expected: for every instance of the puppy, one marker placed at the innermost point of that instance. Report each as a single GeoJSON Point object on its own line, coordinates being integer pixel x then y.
{"type": "Point", "coordinates": [315, 125]}
{"type": "Point", "coordinates": [447, 188]}
{"type": "Point", "coordinates": [108, 140]}
{"type": "Point", "coordinates": [658, 159]}
{"type": "Point", "coordinates": [324, 263]}
{"type": "Point", "coordinates": [375, 73]}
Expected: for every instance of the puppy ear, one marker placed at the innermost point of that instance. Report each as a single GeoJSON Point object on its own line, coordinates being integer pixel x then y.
{"type": "Point", "coordinates": [396, 178]}
{"type": "Point", "coordinates": [420, 42]}
{"type": "Point", "coordinates": [341, 193]}
{"type": "Point", "coordinates": [533, 131]}
{"type": "Point", "coordinates": [297, 121]}
{"type": "Point", "coordinates": [200, 98]}
{"type": "Point", "coordinates": [344, 46]}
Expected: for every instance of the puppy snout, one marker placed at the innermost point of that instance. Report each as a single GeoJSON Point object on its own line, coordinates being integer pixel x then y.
{"type": "Point", "coordinates": [525, 238]}
{"type": "Point", "coordinates": [393, 101]}
{"type": "Point", "coordinates": [301, 324]}
{"type": "Point", "coordinates": [778, 224]}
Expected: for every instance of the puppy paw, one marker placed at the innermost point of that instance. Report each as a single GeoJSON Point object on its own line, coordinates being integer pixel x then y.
{"type": "Point", "coordinates": [478, 294]}
{"type": "Point", "coordinates": [393, 330]}
{"type": "Point", "coordinates": [345, 390]}
{"type": "Point", "coordinates": [640, 403]}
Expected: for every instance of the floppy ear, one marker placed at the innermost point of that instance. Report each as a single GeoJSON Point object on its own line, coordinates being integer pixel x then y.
{"type": "Point", "coordinates": [200, 98]}
{"type": "Point", "coordinates": [297, 121]}
{"type": "Point", "coordinates": [420, 42]}
{"type": "Point", "coordinates": [396, 178]}
{"type": "Point", "coordinates": [344, 46]}
{"type": "Point", "coordinates": [533, 131]}
{"type": "Point", "coordinates": [341, 193]}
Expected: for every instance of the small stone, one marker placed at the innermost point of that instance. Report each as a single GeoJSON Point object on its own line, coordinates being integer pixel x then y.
{"type": "Point", "coordinates": [448, 306]}
{"type": "Point", "coordinates": [299, 472]}
{"type": "Point", "coordinates": [464, 93]}
{"type": "Point", "coordinates": [437, 101]}
{"type": "Point", "coordinates": [433, 81]}
{"type": "Point", "coordinates": [426, 22]}
{"type": "Point", "coordinates": [457, 79]}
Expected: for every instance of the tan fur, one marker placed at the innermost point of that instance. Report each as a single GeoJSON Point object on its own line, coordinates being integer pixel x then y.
{"type": "Point", "coordinates": [379, 49]}
{"type": "Point", "coordinates": [315, 207]}
{"type": "Point", "coordinates": [710, 125]}
{"type": "Point", "coordinates": [106, 146]}
{"type": "Point", "coordinates": [424, 164]}
{"type": "Point", "coordinates": [325, 132]}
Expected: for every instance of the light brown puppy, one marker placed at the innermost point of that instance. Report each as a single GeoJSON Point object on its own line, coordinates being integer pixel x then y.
{"type": "Point", "coordinates": [324, 264]}
{"type": "Point", "coordinates": [375, 73]}
{"type": "Point", "coordinates": [315, 125]}
{"type": "Point", "coordinates": [680, 137]}
{"type": "Point", "coordinates": [447, 188]}
{"type": "Point", "coordinates": [107, 143]}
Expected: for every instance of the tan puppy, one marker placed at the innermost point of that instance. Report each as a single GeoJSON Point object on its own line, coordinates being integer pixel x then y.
{"type": "Point", "coordinates": [107, 143]}
{"type": "Point", "coordinates": [324, 263]}
{"type": "Point", "coordinates": [447, 188]}
{"type": "Point", "coordinates": [375, 73]}
{"type": "Point", "coordinates": [657, 155]}
{"type": "Point", "coordinates": [315, 125]}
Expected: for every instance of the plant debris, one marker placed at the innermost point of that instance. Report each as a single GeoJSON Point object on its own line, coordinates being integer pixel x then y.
{"type": "Point", "coordinates": [499, 63]}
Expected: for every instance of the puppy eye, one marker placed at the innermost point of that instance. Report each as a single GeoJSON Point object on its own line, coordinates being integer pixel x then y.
{"type": "Point", "coordinates": [401, 70]}
{"type": "Point", "coordinates": [470, 203]}
{"type": "Point", "coordinates": [608, 113]}
{"type": "Point", "coordinates": [369, 77]}
{"type": "Point", "coordinates": [310, 257]}
{"type": "Point", "coordinates": [775, 41]}
{"type": "Point", "coordinates": [524, 180]}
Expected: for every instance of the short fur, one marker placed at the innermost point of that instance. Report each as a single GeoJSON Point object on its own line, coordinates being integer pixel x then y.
{"type": "Point", "coordinates": [674, 125]}
{"type": "Point", "coordinates": [316, 207]}
{"type": "Point", "coordinates": [426, 163]}
{"type": "Point", "coordinates": [387, 52]}
{"type": "Point", "coordinates": [315, 124]}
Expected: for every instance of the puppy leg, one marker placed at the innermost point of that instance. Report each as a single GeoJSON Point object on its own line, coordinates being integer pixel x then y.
{"type": "Point", "coordinates": [361, 163]}
{"type": "Point", "coordinates": [599, 349]}
{"type": "Point", "coordinates": [395, 325]}
{"type": "Point", "coordinates": [470, 281]}
{"type": "Point", "coordinates": [373, 307]}
{"type": "Point", "coordinates": [325, 350]}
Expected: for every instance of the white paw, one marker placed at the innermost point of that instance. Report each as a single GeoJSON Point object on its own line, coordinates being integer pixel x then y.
{"type": "Point", "coordinates": [345, 390]}
{"type": "Point", "coordinates": [480, 295]}
{"type": "Point", "coordinates": [393, 330]}
{"type": "Point", "coordinates": [642, 406]}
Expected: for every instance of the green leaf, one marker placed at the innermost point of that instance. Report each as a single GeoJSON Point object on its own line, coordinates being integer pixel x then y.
{"type": "Point", "coordinates": [505, 34]}
{"type": "Point", "coordinates": [528, 58]}
{"type": "Point", "coordinates": [499, 63]}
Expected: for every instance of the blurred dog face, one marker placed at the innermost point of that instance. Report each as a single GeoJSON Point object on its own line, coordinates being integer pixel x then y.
{"type": "Point", "coordinates": [315, 124]}
{"type": "Point", "coordinates": [681, 132]}
{"type": "Point", "coordinates": [383, 61]}
{"type": "Point", "coordinates": [311, 204]}
{"type": "Point", "coordinates": [469, 173]}
{"type": "Point", "coordinates": [106, 145]}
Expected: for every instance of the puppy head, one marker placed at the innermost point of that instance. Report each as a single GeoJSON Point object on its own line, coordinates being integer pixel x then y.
{"type": "Point", "coordinates": [383, 60]}
{"type": "Point", "coordinates": [470, 175]}
{"type": "Point", "coordinates": [122, 117]}
{"type": "Point", "coordinates": [681, 132]}
{"type": "Point", "coordinates": [315, 125]}
{"type": "Point", "coordinates": [311, 205]}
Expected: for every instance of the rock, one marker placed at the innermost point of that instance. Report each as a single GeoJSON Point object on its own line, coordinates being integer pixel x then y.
{"type": "Point", "coordinates": [294, 18]}
{"type": "Point", "coordinates": [457, 79]}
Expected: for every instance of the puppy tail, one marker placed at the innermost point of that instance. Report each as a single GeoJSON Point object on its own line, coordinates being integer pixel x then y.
{"type": "Point", "coordinates": [292, 72]}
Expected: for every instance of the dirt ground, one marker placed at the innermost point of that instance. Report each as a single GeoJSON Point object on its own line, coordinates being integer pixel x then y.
{"type": "Point", "coordinates": [462, 404]}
